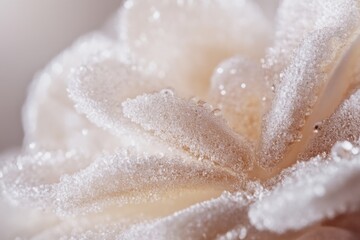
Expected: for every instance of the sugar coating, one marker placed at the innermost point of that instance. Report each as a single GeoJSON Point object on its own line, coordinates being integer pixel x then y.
{"type": "Point", "coordinates": [221, 218]}
{"type": "Point", "coordinates": [191, 126]}
{"type": "Point", "coordinates": [342, 125]}
{"type": "Point", "coordinates": [305, 78]}
{"type": "Point", "coordinates": [311, 191]}
{"type": "Point", "coordinates": [125, 178]}
{"type": "Point", "coordinates": [166, 34]}
{"type": "Point", "coordinates": [48, 99]}
{"type": "Point", "coordinates": [238, 89]}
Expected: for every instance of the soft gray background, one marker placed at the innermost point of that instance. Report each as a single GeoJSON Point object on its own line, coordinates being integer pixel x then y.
{"type": "Point", "coordinates": [31, 33]}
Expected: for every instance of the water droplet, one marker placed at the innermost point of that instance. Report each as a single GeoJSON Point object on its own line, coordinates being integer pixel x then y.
{"type": "Point", "coordinates": [343, 151]}
{"type": "Point", "coordinates": [223, 92]}
{"type": "Point", "coordinates": [85, 132]}
{"type": "Point", "coordinates": [243, 85]}
{"type": "Point", "coordinates": [243, 233]}
{"type": "Point", "coordinates": [167, 92]}
{"type": "Point", "coordinates": [32, 145]}
{"type": "Point", "coordinates": [317, 127]}
{"type": "Point", "coordinates": [233, 71]}
{"type": "Point", "coordinates": [19, 165]}
{"type": "Point", "coordinates": [273, 88]}
{"type": "Point", "coordinates": [216, 112]}
{"type": "Point", "coordinates": [220, 70]}
{"type": "Point", "coordinates": [155, 15]}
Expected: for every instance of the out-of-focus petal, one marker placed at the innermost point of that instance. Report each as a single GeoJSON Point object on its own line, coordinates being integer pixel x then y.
{"type": "Point", "coordinates": [185, 40]}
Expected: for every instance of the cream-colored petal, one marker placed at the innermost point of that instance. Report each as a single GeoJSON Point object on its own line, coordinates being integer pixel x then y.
{"type": "Point", "coordinates": [343, 124]}
{"type": "Point", "coordinates": [191, 126]}
{"type": "Point", "coordinates": [126, 178]}
{"type": "Point", "coordinates": [99, 87]}
{"type": "Point", "coordinates": [49, 117]}
{"type": "Point", "coordinates": [185, 40]}
{"type": "Point", "coordinates": [311, 192]}
{"type": "Point", "coordinates": [207, 220]}
{"type": "Point", "coordinates": [238, 88]}
{"type": "Point", "coordinates": [328, 233]}
{"type": "Point", "coordinates": [304, 81]}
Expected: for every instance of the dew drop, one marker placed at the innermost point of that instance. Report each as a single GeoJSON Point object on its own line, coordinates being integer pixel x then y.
{"type": "Point", "coordinates": [343, 151]}
{"type": "Point", "coordinates": [243, 85]}
{"type": "Point", "coordinates": [317, 127]}
{"type": "Point", "coordinates": [216, 112]}
{"type": "Point", "coordinates": [19, 165]}
{"type": "Point", "coordinates": [85, 132]}
{"type": "Point", "coordinates": [243, 233]}
{"type": "Point", "coordinates": [167, 92]}
{"type": "Point", "coordinates": [273, 88]}
{"type": "Point", "coordinates": [233, 71]}
{"type": "Point", "coordinates": [219, 70]}
{"type": "Point", "coordinates": [32, 145]}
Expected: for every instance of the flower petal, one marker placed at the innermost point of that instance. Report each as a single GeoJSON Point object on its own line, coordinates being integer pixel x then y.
{"type": "Point", "coordinates": [238, 88]}
{"type": "Point", "coordinates": [304, 80]}
{"type": "Point", "coordinates": [48, 99]}
{"type": "Point", "coordinates": [311, 192]}
{"type": "Point", "coordinates": [206, 220]}
{"type": "Point", "coordinates": [190, 126]}
{"type": "Point", "coordinates": [166, 34]}
{"type": "Point", "coordinates": [99, 87]}
{"type": "Point", "coordinates": [125, 178]}
{"type": "Point", "coordinates": [343, 124]}
{"type": "Point", "coordinates": [328, 233]}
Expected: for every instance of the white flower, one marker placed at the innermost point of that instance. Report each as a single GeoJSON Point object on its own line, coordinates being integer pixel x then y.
{"type": "Point", "coordinates": [195, 120]}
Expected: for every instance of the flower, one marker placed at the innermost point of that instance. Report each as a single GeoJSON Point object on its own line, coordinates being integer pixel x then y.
{"type": "Point", "coordinates": [195, 121]}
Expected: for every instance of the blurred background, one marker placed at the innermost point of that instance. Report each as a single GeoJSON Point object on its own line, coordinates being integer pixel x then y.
{"type": "Point", "coordinates": [32, 32]}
